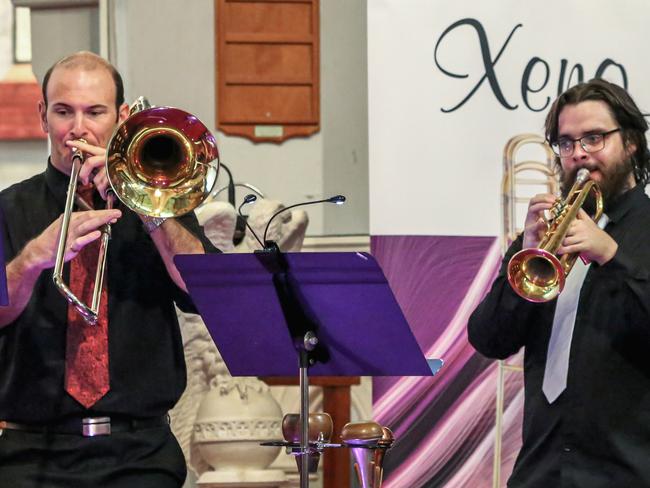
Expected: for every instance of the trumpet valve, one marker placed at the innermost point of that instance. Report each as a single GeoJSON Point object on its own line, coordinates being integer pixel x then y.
{"type": "Point", "coordinates": [558, 208]}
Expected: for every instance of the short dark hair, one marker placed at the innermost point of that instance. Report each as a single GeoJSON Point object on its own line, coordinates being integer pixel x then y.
{"type": "Point", "coordinates": [88, 61]}
{"type": "Point", "coordinates": [626, 113]}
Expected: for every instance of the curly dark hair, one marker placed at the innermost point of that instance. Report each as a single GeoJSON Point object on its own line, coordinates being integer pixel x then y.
{"type": "Point", "coordinates": [626, 113]}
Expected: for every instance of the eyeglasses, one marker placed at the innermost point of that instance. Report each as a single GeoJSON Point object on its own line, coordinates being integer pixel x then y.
{"type": "Point", "coordinates": [590, 143]}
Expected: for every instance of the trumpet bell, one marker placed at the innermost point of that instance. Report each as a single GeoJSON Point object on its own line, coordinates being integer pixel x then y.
{"type": "Point", "coordinates": [158, 162]}
{"type": "Point", "coordinates": [536, 275]}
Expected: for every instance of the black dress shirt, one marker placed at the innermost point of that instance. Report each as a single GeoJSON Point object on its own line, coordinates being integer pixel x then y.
{"type": "Point", "coordinates": [597, 433]}
{"type": "Point", "coordinates": [146, 362]}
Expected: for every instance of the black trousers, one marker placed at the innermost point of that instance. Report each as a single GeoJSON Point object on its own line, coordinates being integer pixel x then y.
{"type": "Point", "coordinates": [148, 458]}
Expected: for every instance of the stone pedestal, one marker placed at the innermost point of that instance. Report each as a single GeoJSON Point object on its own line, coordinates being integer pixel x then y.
{"type": "Point", "coordinates": [267, 478]}
{"type": "Point", "coordinates": [233, 419]}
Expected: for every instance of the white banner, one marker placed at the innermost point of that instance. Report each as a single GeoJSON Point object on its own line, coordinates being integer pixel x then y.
{"type": "Point", "coordinates": [450, 82]}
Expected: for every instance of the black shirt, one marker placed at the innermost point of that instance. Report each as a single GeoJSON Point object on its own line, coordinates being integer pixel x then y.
{"type": "Point", "coordinates": [597, 433]}
{"type": "Point", "coordinates": [146, 362]}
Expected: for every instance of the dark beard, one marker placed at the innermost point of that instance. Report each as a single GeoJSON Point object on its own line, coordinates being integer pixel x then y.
{"type": "Point", "coordinates": [615, 183]}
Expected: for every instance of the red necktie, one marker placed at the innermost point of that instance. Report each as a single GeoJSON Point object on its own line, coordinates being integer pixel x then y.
{"type": "Point", "coordinates": [86, 355]}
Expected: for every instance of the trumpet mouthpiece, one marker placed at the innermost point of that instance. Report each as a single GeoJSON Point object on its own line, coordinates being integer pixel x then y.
{"type": "Point", "coordinates": [582, 176]}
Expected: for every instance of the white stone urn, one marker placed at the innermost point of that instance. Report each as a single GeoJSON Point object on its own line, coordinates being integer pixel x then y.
{"type": "Point", "coordinates": [233, 419]}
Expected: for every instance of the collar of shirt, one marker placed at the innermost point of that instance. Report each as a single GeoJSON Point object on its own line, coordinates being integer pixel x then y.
{"type": "Point", "coordinates": [624, 203]}
{"type": "Point", "coordinates": [58, 182]}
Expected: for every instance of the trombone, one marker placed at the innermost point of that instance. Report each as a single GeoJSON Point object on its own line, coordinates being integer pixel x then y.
{"type": "Point", "coordinates": [160, 162]}
{"type": "Point", "coordinates": [522, 177]}
{"type": "Point", "coordinates": [89, 313]}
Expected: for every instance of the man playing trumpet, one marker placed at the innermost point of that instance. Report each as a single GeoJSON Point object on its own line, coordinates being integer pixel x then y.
{"type": "Point", "coordinates": [86, 405]}
{"type": "Point", "coordinates": [586, 365]}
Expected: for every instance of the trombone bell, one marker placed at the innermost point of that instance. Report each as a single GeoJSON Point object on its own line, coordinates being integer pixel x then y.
{"type": "Point", "coordinates": [158, 161]}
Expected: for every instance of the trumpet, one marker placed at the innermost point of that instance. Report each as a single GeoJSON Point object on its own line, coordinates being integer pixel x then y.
{"type": "Point", "coordinates": [159, 163]}
{"type": "Point", "coordinates": [538, 274]}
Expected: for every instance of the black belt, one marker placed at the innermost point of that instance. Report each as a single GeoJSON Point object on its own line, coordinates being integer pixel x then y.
{"type": "Point", "coordinates": [89, 426]}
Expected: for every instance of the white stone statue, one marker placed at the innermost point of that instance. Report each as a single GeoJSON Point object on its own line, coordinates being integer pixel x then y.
{"type": "Point", "coordinates": [221, 420]}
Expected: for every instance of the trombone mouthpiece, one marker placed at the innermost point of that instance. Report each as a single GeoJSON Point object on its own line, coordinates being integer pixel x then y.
{"type": "Point", "coordinates": [582, 176]}
{"type": "Point", "coordinates": [78, 153]}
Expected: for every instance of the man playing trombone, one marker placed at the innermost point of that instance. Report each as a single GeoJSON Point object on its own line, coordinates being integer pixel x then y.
{"type": "Point", "coordinates": [85, 405]}
{"type": "Point", "coordinates": [586, 365]}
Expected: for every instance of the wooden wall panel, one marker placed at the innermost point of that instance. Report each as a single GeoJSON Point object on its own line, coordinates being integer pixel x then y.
{"type": "Point", "coordinates": [268, 104]}
{"type": "Point", "coordinates": [269, 17]}
{"type": "Point", "coordinates": [268, 86]}
{"type": "Point", "coordinates": [272, 64]}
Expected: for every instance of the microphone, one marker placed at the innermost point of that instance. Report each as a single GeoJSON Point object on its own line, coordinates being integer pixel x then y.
{"type": "Point", "coordinates": [240, 224]}
{"type": "Point", "coordinates": [231, 184]}
{"type": "Point", "coordinates": [338, 199]}
{"type": "Point", "coordinates": [250, 198]}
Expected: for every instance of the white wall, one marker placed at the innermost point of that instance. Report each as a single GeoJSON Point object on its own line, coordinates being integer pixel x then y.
{"type": "Point", "coordinates": [344, 87]}
{"type": "Point", "coordinates": [59, 32]}
{"type": "Point", "coordinates": [165, 50]}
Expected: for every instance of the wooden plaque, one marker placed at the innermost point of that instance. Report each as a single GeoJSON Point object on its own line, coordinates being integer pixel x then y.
{"type": "Point", "coordinates": [268, 68]}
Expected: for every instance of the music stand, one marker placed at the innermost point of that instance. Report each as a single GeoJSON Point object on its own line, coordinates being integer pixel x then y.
{"type": "Point", "coordinates": [4, 295]}
{"type": "Point", "coordinates": [331, 314]}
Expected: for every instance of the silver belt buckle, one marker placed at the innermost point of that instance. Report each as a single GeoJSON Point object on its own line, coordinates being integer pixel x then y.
{"type": "Point", "coordinates": [92, 426]}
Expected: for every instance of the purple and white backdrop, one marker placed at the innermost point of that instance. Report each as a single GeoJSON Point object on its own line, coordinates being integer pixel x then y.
{"type": "Point", "coordinates": [450, 82]}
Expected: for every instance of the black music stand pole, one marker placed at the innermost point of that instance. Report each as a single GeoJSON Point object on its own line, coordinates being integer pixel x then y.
{"type": "Point", "coordinates": [302, 330]}
{"type": "Point", "coordinates": [304, 419]}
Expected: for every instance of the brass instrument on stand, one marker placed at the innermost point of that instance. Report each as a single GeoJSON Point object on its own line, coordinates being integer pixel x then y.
{"type": "Point", "coordinates": [320, 434]}
{"type": "Point", "coordinates": [368, 442]}
{"type": "Point", "coordinates": [538, 176]}
{"type": "Point", "coordinates": [518, 175]}
{"type": "Point", "coordinates": [158, 163]}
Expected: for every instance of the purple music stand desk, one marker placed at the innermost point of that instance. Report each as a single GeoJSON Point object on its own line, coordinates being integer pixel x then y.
{"type": "Point", "coordinates": [4, 296]}
{"type": "Point", "coordinates": [323, 314]}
